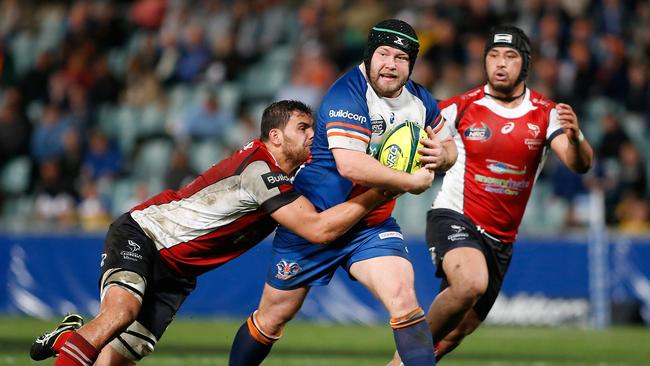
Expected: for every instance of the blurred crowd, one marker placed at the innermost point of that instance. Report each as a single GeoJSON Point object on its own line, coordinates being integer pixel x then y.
{"type": "Point", "coordinates": [103, 103]}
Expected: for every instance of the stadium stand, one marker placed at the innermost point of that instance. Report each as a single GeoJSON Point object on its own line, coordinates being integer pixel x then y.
{"type": "Point", "coordinates": [249, 53]}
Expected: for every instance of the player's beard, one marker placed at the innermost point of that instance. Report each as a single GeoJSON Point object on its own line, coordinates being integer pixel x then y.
{"type": "Point", "coordinates": [386, 90]}
{"type": "Point", "coordinates": [296, 153]}
{"type": "Point", "coordinates": [505, 89]}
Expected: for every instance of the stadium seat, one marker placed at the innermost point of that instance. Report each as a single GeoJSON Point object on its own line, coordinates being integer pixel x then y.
{"type": "Point", "coordinates": [152, 159]}
{"type": "Point", "coordinates": [203, 154]}
{"type": "Point", "coordinates": [15, 175]}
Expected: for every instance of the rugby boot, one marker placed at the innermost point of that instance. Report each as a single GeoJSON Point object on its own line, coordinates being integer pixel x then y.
{"type": "Point", "coordinates": [43, 346]}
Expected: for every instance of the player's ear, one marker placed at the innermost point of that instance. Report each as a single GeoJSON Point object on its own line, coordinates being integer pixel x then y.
{"type": "Point", "coordinates": [275, 136]}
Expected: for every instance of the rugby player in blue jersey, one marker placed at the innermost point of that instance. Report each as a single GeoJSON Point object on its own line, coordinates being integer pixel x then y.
{"type": "Point", "coordinates": [360, 108]}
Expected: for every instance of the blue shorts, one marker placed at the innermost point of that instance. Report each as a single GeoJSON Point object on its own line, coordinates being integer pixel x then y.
{"type": "Point", "coordinates": [299, 263]}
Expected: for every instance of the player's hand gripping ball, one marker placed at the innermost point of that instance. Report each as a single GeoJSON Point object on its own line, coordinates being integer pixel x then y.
{"type": "Point", "coordinates": [400, 147]}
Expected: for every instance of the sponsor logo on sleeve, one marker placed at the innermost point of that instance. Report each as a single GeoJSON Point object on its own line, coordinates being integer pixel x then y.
{"type": "Point", "coordinates": [287, 269]}
{"type": "Point", "coordinates": [275, 179]}
{"type": "Point", "coordinates": [390, 234]}
{"type": "Point", "coordinates": [348, 115]}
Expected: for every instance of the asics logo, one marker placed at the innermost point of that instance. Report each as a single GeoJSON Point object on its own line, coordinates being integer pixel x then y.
{"type": "Point", "coordinates": [399, 41]}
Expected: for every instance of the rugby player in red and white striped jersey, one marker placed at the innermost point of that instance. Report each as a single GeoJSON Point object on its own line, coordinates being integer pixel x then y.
{"type": "Point", "coordinates": [153, 254]}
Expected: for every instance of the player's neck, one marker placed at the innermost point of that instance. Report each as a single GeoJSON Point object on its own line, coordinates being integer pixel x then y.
{"type": "Point", "coordinates": [510, 100]}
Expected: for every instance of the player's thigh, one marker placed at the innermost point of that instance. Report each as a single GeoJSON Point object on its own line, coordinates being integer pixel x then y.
{"type": "Point", "coordinates": [390, 279]}
{"type": "Point", "coordinates": [277, 306]}
{"type": "Point", "coordinates": [465, 267]}
{"type": "Point", "coordinates": [162, 300]}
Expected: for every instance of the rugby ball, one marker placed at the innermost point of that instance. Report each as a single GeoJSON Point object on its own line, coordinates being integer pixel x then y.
{"type": "Point", "coordinates": [399, 150]}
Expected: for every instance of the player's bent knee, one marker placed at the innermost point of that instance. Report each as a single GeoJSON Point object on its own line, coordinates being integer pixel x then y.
{"type": "Point", "coordinates": [135, 342]}
{"type": "Point", "coordinates": [264, 336]}
{"type": "Point", "coordinates": [125, 279]}
{"type": "Point", "coordinates": [469, 292]}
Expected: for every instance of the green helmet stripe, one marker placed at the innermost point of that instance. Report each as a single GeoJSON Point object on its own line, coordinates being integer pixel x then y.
{"type": "Point", "coordinates": [396, 32]}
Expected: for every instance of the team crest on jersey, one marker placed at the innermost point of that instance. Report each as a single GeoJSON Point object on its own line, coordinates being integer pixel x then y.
{"type": "Point", "coordinates": [533, 130]}
{"type": "Point", "coordinates": [478, 132]}
{"type": "Point", "coordinates": [287, 270]}
{"type": "Point", "coordinates": [378, 124]}
{"type": "Point", "coordinates": [498, 167]}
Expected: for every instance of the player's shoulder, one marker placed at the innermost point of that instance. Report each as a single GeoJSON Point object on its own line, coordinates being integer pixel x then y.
{"type": "Point", "coordinates": [463, 100]}
{"type": "Point", "coordinates": [419, 91]}
{"type": "Point", "coordinates": [540, 101]}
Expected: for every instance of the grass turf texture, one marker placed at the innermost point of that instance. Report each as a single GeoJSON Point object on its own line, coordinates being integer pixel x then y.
{"type": "Point", "coordinates": [207, 341]}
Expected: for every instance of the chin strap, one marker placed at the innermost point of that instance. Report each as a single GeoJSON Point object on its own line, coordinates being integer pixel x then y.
{"type": "Point", "coordinates": [508, 99]}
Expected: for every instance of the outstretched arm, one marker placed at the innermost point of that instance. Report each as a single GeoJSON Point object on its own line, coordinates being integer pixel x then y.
{"type": "Point", "coordinates": [301, 217]}
{"type": "Point", "coordinates": [571, 147]}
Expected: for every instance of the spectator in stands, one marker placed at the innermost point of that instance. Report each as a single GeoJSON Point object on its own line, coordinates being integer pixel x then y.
{"type": "Point", "coordinates": [103, 160]}
{"type": "Point", "coordinates": [54, 205]}
{"type": "Point", "coordinates": [141, 85]}
{"type": "Point", "coordinates": [34, 83]}
{"type": "Point", "coordinates": [634, 215]}
{"type": "Point", "coordinates": [7, 71]}
{"type": "Point", "coordinates": [93, 210]}
{"type": "Point", "coordinates": [180, 172]}
{"type": "Point", "coordinates": [195, 55]}
{"type": "Point", "coordinates": [47, 139]}
{"type": "Point", "coordinates": [206, 120]}
{"type": "Point", "coordinates": [106, 87]}
{"type": "Point", "coordinates": [14, 128]}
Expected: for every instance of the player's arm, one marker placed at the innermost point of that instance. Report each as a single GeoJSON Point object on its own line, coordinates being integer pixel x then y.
{"type": "Point", "coordinates": [362, 168]}
{"type": "Point", "coordinates": [301, 217]}
{"type": "Point", "coordinates": [571, 147]}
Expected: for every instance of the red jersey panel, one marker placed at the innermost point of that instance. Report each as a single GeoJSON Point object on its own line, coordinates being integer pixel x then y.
{"type": "Point", "coordinates": [221, 214]}
{"type": "Point", "coordinates": [500, 154]}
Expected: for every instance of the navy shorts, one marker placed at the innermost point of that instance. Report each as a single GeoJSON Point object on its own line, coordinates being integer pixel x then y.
{"type": "Point", "coordinates": [446, 230]}
{"type": "Point", "coordinates": [126, 246]}
{"type": "Point", "coordinates": [299, 263]}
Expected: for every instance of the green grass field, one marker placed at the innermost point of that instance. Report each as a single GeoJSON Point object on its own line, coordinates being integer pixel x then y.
{"type": "Point", "coordinates": [206, 342]}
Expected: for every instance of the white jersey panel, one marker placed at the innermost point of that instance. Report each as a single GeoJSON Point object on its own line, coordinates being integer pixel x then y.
{"type": "Point", "coordinates": [453, 185]}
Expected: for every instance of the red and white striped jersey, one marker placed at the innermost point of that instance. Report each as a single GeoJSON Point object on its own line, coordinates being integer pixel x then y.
{"type": "Point", "coordinates": [500, 154]}
{"type": "Point", "coordinates": [221, 214]}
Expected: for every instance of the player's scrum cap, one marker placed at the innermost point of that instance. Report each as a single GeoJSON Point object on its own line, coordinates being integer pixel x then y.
{"type": "Point", "coordinates": [513, 37]}
{"type": "Point", "coordinates": [394, 33]}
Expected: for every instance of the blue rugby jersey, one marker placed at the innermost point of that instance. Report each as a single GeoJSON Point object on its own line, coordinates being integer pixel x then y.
{"type": "Point", "coordinates": [352, 116]}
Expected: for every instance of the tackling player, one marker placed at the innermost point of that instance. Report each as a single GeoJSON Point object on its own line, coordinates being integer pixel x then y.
{"type": "Point", "coordinates": [153, 254]}
{"type": "Point", "coordinates": [503, 133]}
{"type": "Point", "coordinates": [360, 108]}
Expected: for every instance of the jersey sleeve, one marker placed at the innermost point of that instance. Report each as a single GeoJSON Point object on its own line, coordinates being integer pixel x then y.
{"type": "Point", "coordinates": [269, 188]}
{"type": "Point", "coordinates": [449, 110]}
{"type": "Point", "coordinates": [345, 115]}
{"type": "Point", "coordinates": [554, 129]}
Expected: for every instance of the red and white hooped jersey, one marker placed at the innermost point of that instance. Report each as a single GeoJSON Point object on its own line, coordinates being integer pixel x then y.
{"type": "Point", "coordinates": [500, 154]}
{"type": "Point", "coordinates": [219, 215]}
